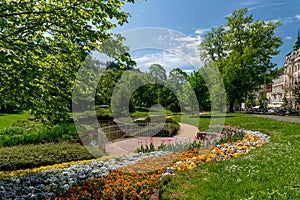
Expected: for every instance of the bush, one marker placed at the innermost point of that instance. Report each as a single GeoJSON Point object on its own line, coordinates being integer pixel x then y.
{"type": "Point", "coordinates": [166, 131]}
{"type": "Point", "coordinates": [35, 135]}
{"type": "Point", "coordinates": [175, 107]}
{"type": "Point", "coordinates": [30, 156]}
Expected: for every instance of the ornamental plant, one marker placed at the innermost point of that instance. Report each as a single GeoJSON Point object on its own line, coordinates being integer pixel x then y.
{"type": "Point", "coordinates": [230, 134]}
{"type": "Point", "coordinates": [116, 185]}
{"type": "Point", "coordinates": [169, 145]}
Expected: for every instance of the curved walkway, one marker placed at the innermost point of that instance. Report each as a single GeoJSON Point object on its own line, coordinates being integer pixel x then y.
{"type": "Point", "coordinates": [281, 118]}
{"type": "Point", "coordinates": [130, 145]}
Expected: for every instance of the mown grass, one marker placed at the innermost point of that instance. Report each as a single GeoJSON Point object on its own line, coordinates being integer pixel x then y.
{"type": "Point", "coordinates": [144, 112]}
{"type": "Point", "coordinates": [15, 118]}
{"type": "Point", "coordinates": [270, 172]}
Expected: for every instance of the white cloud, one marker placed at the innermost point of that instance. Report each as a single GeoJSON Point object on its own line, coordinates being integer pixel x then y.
{"type": "Point", "coordinates": [273, 20]}
{"type": "Point", "coordinates": [166, 47]}
{"type": "Point", "coordinates": [267, 5]}
{"type": "Point", "coordinates": [248, 3]}
{"type": "Point", "coordinates": [297, 17]}
{"type": "Point", "coordinates": [201, 31]}
{"type": "Point", "coordinates": [288, 38]}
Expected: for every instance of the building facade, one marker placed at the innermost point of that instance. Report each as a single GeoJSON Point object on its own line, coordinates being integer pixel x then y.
{"type": "Point", "coordinates": [277, 92]}
{"type": "Point", "coordinates": [291, 74]}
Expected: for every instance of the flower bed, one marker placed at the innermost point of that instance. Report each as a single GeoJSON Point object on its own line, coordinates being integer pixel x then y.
{"type": "Point", "coordinates": [54, 181]}
{"type": "Point", "coordinates": [137, 176]}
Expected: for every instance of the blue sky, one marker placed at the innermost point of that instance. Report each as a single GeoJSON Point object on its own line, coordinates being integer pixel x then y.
{"type": "Point", "coordinates": [193, 18]}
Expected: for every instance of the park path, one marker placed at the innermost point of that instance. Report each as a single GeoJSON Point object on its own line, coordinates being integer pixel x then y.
{"type": "Point", "coordinates": [281, 118]}
{"type": "Point", "coordinates": [126, 146]}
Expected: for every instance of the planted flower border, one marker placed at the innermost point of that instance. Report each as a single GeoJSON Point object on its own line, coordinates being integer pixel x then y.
{"type": "Point", "coordinates": [102, 179]}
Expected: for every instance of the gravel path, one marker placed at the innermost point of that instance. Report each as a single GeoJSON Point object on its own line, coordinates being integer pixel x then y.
{"type": "Point", "coordinates": [281, 118]}
{"type": "Point", "coordinates": [129, 145]}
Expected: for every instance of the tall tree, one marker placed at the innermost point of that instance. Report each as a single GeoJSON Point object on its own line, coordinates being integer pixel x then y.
{"type": "Point", "coordinates": [42, 45]}
{"type": "Point", "coordinates": [157, 74]}
{"type": "Point", "coordinates": [297, 91]}
{"type": "Point", "coordinates": [201, 90]}
{"type": "Point", "coordinates": [297, 43]}
{"type": "Point", "coordinates": [242, 51]}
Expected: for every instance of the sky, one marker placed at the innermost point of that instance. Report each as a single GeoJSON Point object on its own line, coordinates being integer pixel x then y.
{"type": "Point", "coordinates": [189, 20]}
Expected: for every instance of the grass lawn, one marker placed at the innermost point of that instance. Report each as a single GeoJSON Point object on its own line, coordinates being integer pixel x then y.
{"type": "Point", "coordinates": [270, 172]}
{"type": "Point", "coordinates": [142, 112]}
{"type": "Point", "coordinates": [9, 119]}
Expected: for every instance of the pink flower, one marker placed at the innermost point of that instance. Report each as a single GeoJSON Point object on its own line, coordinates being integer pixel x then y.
{"type": "Point", "coordinates": [151, 140]}
{"type": "Point", "coordinates": [169, 140]}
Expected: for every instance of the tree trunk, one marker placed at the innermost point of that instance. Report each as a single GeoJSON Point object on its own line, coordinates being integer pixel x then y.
{"type": "Point", "coordinates": [231, 104]}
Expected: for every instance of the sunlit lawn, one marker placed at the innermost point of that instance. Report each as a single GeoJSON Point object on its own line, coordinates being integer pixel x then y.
{"type": "Point", "coordinates": [9, 119]}
{"type": "Point", "coordinates": [270, 172]}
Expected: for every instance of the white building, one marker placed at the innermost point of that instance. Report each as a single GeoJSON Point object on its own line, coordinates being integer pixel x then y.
{"type": "Point", "coordinates": [291, 73]}
{"type": "Point", "coordinates": [277, 93]}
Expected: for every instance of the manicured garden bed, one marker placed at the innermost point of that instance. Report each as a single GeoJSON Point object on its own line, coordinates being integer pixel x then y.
{"type": "Point", "coordinates": [127, 177]}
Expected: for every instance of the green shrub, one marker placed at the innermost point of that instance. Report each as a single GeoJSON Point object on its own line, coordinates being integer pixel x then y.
{"type": "Point", "coordinates": [36, 135]}
{"type": "Point", "coordinates": [30, 156]}
{"type": "Point", "coordinates": [166, 131]}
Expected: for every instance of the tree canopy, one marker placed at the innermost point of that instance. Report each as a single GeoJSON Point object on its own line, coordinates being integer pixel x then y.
{"type": "Point", "coordinates": [42, 45]}
{"type": "Point", "coordinates": [242, 51]}
{"type": "Point", "coordinates": [297, 43]}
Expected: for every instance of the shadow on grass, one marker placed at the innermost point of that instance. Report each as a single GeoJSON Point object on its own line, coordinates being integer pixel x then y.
{"type": "Point", "coordinates": [142, 109]}
{"type": "Point", "coordinates": [4, 112]}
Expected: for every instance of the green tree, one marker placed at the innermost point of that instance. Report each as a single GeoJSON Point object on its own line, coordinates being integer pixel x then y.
{"type": "Point", "coordinates": [157, 74]}
{"type": "Point", "coordinates": [250, 101]}
{"type": "Point", "coordinates": [261, 99]}
{"type": "Point", "coordinates": [106, 85]}
{"type": "Point", "coordinates": [201, 90]}
{"type": "Point", "coordinates": [297, 43]}
{"type": "Point", "coordinates": [242, 52]}
{"type": "Point", "coordinates": [284, 101]}
{"type": "Point", "coordinates": [297, 91]}
{"type": "Point", "coordinates": [42, 45]}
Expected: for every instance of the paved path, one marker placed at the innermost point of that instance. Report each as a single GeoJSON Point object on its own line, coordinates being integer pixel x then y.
{"type": "Point", "coordinates": [129, 145]}
{"type": "Point", "coordinates": [281, 118]}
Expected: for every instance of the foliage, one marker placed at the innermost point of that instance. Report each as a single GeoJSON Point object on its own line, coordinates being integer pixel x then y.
{"type": "Point", "coordinates": [37, 135]}
{"type": "Point", "coordinates": [231, 134]}
{"type": "Point", "coordinates": [106, 85]}
{"type": "Point", "coordinates": [201, 90]}
{"type": "Point", "coordinates": [242, 52]}
{"type": "Point", "coordinates": [261, 99]}
{"type": "Point", "coordinates": [175, 107]}
{"type": "Point", "coordinates": [42, 45]}
{"type": "Point", "coordinates": [166, 130]}
{"type": "Point", "coordinates": [250, 101]}
{"type": "Point", "coordinates": [30, 156]}
{"type": "Point", "coordinates": [284, 101]}
{"type": "Point", "coordinates": [297, 43]}
{"type": "Point", "coordinates": [171, 145]}
{"type": "Point", "coordinates": [297, 91]}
